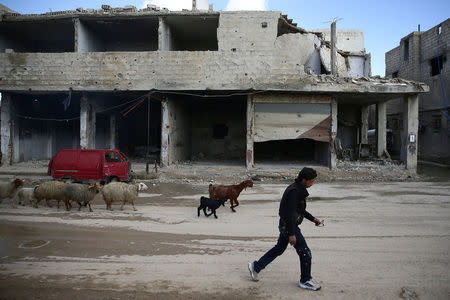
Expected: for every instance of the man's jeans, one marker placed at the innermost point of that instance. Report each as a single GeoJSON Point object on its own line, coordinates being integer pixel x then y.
{"type": "Point", "coordinates": [283, 240]}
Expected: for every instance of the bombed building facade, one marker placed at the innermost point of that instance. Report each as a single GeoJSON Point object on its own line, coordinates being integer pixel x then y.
{"type": "Point", "coordinates": [423, 56]}
{"type": "Point", "coordinates": [245, 86]}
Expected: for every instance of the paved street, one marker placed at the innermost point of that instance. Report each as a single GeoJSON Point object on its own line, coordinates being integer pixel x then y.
{"type": "Point", "coordinates": [377, 239]}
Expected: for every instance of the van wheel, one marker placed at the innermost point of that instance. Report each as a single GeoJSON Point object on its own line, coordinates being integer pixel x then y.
{"type": "Point", "coordinates": [68, 179]}
{"type": "Point", "coordinates": [111, 179]}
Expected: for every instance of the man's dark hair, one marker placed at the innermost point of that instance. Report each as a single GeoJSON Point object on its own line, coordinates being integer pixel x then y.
{"type": "Point", "coordinates": [307, 173]}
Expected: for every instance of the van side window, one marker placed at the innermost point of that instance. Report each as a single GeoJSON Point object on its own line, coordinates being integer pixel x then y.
{"type": "Point", "coordinates": [112, 157]}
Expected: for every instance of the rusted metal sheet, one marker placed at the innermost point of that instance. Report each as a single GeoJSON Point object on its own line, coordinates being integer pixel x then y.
{"type": "Point", "coordinates": [320, 132]}
{"type": "Point", "coordinates": [283, 121]}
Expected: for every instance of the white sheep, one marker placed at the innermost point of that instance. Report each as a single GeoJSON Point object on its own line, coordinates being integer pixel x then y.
{"type": "Point", "coordinates": [9, 189]}
{"type": "Point", "coordinates": [80, 193]}
{"type": "Point", "coordinates": [122, 192]}
{"type": "Point", "coordinates": [25, 194]}
{"type": "Point", "coordinates": [49, 190]}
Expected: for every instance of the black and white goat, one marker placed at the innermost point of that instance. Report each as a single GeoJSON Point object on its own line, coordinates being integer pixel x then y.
{"type": "Point", "coordinates": [211, 204]}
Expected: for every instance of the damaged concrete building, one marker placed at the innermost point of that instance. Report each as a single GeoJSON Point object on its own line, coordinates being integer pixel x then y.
{"type": "Point", "coordinates": [247, 86]}
{"type": "Point", "coordinates": [423, 56]}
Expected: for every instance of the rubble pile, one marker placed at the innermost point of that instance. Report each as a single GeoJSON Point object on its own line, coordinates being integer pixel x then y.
{"type": "Point", "coordinates": [380, 170]}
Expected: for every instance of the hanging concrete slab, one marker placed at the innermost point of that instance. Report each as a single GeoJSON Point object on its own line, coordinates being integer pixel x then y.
{"type": "Point", "coordinates": [325, 58]}
{"type": "Point", "coordinates": [282, 121]}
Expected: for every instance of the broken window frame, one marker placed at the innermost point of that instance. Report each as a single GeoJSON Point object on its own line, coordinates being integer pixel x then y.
{"type": "Point", "coordinates": [436, 68]}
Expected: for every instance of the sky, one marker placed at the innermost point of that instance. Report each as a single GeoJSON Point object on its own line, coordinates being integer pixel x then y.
{"type": "Point", "coordinates": [384, 22]}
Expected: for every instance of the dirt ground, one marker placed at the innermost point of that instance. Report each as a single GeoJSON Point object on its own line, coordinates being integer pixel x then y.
{"type": "Point", "coordinates": [378, 238]}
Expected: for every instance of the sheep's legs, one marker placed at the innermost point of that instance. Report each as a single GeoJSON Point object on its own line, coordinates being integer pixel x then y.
{"type": "Point", "coordinates": [48, 202]}
{"type": "Point", "coordinates": [90, 208]}
{"type": "Point", "coordinates": [134, 208]}
{"type": "Point", "coordinates": [68, 205]}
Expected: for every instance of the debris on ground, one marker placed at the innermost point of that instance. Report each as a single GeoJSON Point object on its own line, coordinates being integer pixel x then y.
{"type": "Point", "coordinates": [408, 294]}
{"type": "Point", "coordinates": [378, 170]}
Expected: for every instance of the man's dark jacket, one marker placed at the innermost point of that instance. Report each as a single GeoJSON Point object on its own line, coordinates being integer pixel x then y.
{"type": "Point", "coordinates": [293, 206]}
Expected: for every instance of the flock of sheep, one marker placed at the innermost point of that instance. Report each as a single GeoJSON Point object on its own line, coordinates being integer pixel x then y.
{"type": "Point", "coordinates": [70, 193]}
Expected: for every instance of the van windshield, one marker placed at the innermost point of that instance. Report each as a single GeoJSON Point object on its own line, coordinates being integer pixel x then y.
{"type": "Point", "coordinates": [112, 157]}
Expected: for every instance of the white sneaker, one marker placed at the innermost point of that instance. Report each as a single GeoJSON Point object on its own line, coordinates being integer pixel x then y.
{"type": "Point", "coordinates": [253, 273]}
{"type": "Point", "coordinates": [309, 285]}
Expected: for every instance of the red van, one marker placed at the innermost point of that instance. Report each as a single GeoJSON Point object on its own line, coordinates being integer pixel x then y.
{"type": "Point", "coordinates": [90, 164]}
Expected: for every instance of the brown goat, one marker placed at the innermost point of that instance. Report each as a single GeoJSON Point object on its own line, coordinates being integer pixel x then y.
{"type": "Point", "coordinates": [218, 191]}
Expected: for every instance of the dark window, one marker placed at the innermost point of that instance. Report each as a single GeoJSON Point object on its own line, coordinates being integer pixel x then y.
{"type": "Point", "coordinates": [406, 50]}
{"type": "Point", "coordinates": [436, 66]}
{"type": "Point", "coordinates": [436, 123]}
{"type": "Point", "coordinates": [395, 74]}
{"type": "Point", "coordinates": [220, 131]}
{"type": "Point", "coordinates": [112, 157]}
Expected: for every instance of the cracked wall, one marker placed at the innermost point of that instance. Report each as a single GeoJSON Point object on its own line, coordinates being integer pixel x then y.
{"type": "Point", "coordinates": [249, 55]}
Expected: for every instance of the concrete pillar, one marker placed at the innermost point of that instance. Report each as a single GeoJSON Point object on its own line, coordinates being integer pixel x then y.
{"type": "Point", "coordinates": [250, 163]}
{"type": "Point", "coordinates": [333, 134]}
{"type": "Point", "coordinates": [6, 132]}
{"type": "Point", "coordinates": [164, 35]}
{"type": "Point", "coordinates": [410, 130]}
{"type": "Point", "coordinates": [165, 131]}
{"type": "Point", "coordinates": [87, 123]}
{"type": "Point", "coordinates": [76, 25]}
{"type": "Point", "coordinates": [381, 128]}
{"type": "Point", "coordinates": [112, 132]}
{"type": "Point", "coordinates": [334, 69]}
{"type": "Point", "coordinates": [364, 124]}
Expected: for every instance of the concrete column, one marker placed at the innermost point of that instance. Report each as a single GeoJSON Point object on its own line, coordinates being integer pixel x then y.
{"type": "Point", "coordinates": [334, 69]}
{"type": "Point", "coordinates": [250, 163]}
{"type": "Point", "coordinates": [112, 132]}
{"type": "Point", "coordinates": [381, 128]}
{"type": "Point", "coordinates": [364, 124]}
{"type": "Point", "coordinates": [76, 25]}
{"type": "Point", "coordinates": [6, 133]}
{"type": "Point", "coordinates": [410, 130]}
{"type": "Point", "coordinates": [87, 124]}
{"type": "Point", "coordinates": [164, 36]}
{"type": "Point", "coordinates": [92, 125]}
{"type": "Point", "coordinates": [333, 134]}
{"type": "Point", "coordinates": [165, 132]}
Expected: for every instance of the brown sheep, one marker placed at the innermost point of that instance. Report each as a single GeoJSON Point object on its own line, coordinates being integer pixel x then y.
{"type": "Point", "coordinates": [122, 192]}
{"type": "Point", "coordinates": [9, 189]}
{"type": "Point", "coordinates": [49, 190]}
{"type": "Point", "coordinates": [231, 192]}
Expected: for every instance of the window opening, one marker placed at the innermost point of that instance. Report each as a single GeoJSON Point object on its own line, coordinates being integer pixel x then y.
{"type": "Point", "coordinates": [435, 67]}
{"type": "Point", "coordinates": [406, 50]}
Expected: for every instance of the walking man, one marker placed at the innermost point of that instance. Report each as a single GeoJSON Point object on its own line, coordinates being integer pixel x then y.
{"type": "Point", "coordinates": [292, 211]}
